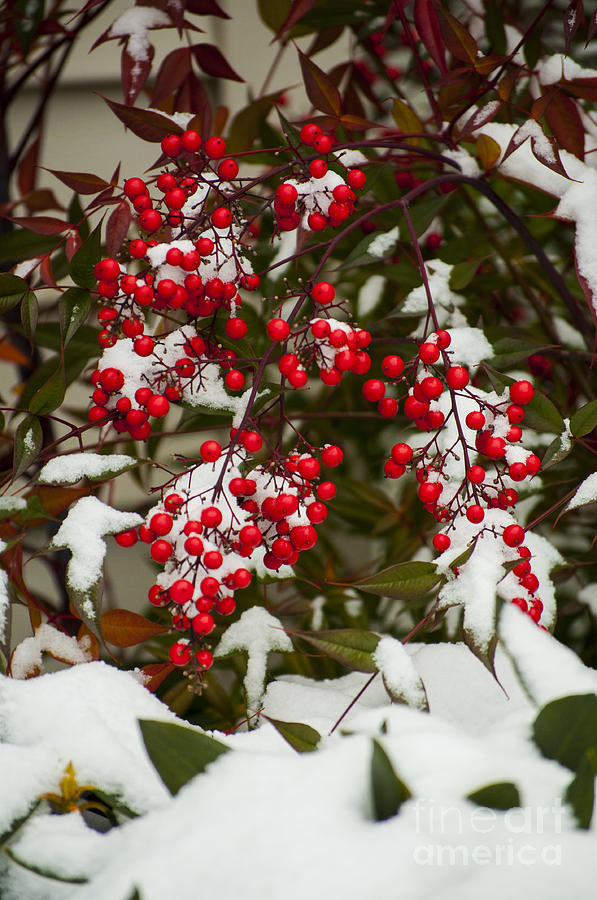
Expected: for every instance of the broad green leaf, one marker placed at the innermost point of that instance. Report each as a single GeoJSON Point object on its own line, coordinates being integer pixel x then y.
{"type": "Point", "coordinates": [29, 315]}
{"type": "Point", "coordinates": [301, 737]}
{"type": "Point", "coordinates": [422, 213]}
{"type": "Point", "coordinates": [580, 793]}
{"type": "Point", "coordinates": [501, 795]}
{"type": "Point", "coordinates": [350, 646]}
{"type": "Point", "coordinates": [388, 791]}
{"type": "Point", "coordinates": [566, 729]}
{"type": "Point", "coordinates": [28, 443]}
{"type": "Point", "coordinates": [556, 452]}
{"type": "Point", "coordinates": [75, 304]}
{"type": "Point", "coordinates": [50, 394]}
{"type": "Point", "coordinates": [20, 244]}
{"type": "Point", "coordinates": [404, 581]}
{"type": "Point", "coordinates": [178, 753]}
{"type": "Point", "coordinates": [82, 263]}
{"type": "Point", "coordinates": [584, 420]}
{"type": "Point", "coordinates": [494, 27]}
{"type": "Point", "coordinates": [12, 288]}
{"type": "Point", "coordinates": [244, 127]}
{"type": "Point", "coordinates": [463, 273]}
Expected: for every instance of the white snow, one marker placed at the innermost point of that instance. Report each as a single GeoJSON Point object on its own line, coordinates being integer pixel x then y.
{"type": "Point", "coordinates": [4, 598]}
{"type": "Point", "coordinates": [585, 493]}
{"type": "Point", "coordinates": [554, 68]}
{"type": "Point", "coordinates": [258, 633]}
{"type": "Point", "coordinates": [383, 243]}
{"type": "Point", "coordinates": [399, 674]}
{"type": "Point", "coordinates": [134, 25]}
{"type": "Point", "coordinates": [69, 468]}
{"type": "Point", "coordinates": [88, 520]}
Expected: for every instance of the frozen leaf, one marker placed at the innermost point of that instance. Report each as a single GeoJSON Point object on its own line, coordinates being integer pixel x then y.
{"type": "Point", "coordinates": [502, 795]}
{"type": "Point", "coordinates": [585, 494]}
{"type": "Point", "coordinates": [401, 680]}
{"type": "Point", "coordinates": [72, 467]}
{"type": "Point", "coordinates": [28, 443]}
{"type": "Point", "coordinates": [349, 646]}
{"type": "Point", "coordinates": [302, 738]}
{"type": "Point", "coordinates": [388, 791]}
{"type": "Point", "coordinates": [580, 793]}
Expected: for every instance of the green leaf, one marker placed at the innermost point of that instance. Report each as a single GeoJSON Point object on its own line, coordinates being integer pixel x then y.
{"type": "Point", "coordinates": [75, 304]}
{"type": "Point", "coordinates": [584, 420]}
{"type": "Point", "coordinates": [82, 263]}
{"type": "Point", "coordinates": [20, 244]}
{"type": "Point", "coordinates": [580, 793]}
{"type": "Point", "coordinates": [12, 288]}
{"type": "Point", "coordinates": [463, 273]}
{"type": "Point", "coordinates": [422, 213]}
{"type": "Point", "coordinates": [404, 581]}
{"type": "Point", "coordinates": [482, 645]}
{"type": "Point", "coordinates": [245, 126]}
{"type": "Point", "coordinates": [302, 737]}
{"type": "Point", "coordinates": [501, 795]}
{"type": "Point", "coordinates": [388, 791]}
{"type": "Point", "coordinates": [360, 254]}
{"type": "Point", "coordinates": [15, 824]}
{"type": "Point", "coordinates": [178, 753]}
{"type": "Point", "coordinates": [51, 393]}
{"type": "Point", "coordinates": [350, 646]}
{"type": "Point", "coordinates": [29, 315]}
{"type": "Point", "coordinates": [28, 443]}
{"type": "Point", "coordinates": [494, 28]}
{"type": "Point", "coordinates": [566, 729]}
{"type": "Point", "coordinates": [555, 453]}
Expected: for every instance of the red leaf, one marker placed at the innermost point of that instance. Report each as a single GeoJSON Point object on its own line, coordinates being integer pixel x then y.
{"type": "Point", "coordinates": [478, 118]}
{"type": "Point", "coordinates": [205, 8]}
{"type": "Point", "coordinates": [117, 228]}
{"type": "Point", "coordinates": [174, 69]}
{"type": "Point", "coordinates": [566, 124]}
{"type": "Point", "coordinates": [134, 73]}
{"type": "Point", "coordinates": [156, 673]}
{"type": "Point", "coordinates": [45, 271]}
{"type": "Point", "coordinates": [298, 9]}
{"type": "Point", "coordinates": [321, 90]}
{"type": "Point", "coordinates": [27, 168]}
{"type": "Point", "coordinates": [574, 17]}
{"type": "Point", "coordinates": [41, 224]}
{"type": "Point", "coordinates": [125, 629]}
{"type": "Point", "coordinates": [73, 242]}
{"type": "Point", "coordinates": [459, 41]}
{"type": "Point", "coordinates": [81, 182]}
{"type": "Point", "coordinates": [592, 30]}
{"type": "Point", "coordinates": [428, 27]}
{"type": "Point", "coordinates": [211, 60]}
{"type": "Point", "coordinates": [585, 88]}
{"type": "Point", "coordinates": [551, 158]}
{"type": "Point", "coordinates": [145, 123]}
{"type": "Point", "coordinates": [89, 5]}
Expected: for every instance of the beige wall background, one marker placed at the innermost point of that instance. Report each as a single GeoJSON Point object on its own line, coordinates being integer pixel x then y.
{"type": "Point", "coordinates": [82, 134]}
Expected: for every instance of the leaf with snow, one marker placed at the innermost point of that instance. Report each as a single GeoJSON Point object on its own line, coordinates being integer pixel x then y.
{"type": "Point", "coordinates": [71, 468]}
{"type": "Point", "coordinates": [402, 681]}
{"type": "Point", "coordinates": [5, 607]}
{"type": "Point", "coordinates": [27, 658]}
{"type": "Point", "coordinates": [258, 633]}
{"type": "Point", "coordinates": [82, 533]}
{"type": "Point", "coordinates": [585, 493]}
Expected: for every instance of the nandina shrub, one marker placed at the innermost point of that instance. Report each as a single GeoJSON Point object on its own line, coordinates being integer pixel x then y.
{"type": "Point", "coordinates": [374, 322]}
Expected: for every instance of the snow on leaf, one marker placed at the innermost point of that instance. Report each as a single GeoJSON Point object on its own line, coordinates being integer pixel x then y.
{"type": "Point", "coordinates": [257, 632]}
{"type": "Point", "coordinates": [586, 493]}
{"type": "Point", "coordinates": [73, 467]}
{"type": "Point", "coordinates": [28, 655]}
{"type": "Point", "coordinates": [400, 677]}
{"type": "Point", "coordinates": [82, 533]}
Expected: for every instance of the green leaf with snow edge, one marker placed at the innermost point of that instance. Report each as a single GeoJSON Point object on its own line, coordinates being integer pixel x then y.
{"type": "Point", "coordinates": [28, 443]}
{"type": "Point", "coordinates": [558, 450]}
{"type": "Point", "coordinates": [40, 870]}
{"type": "Point", "coordinates": [586, 493]}
{"type": "Point", "coordinates": [94, 466]}
{"type": "Point", "coordinates": [17, 823]}
{"type": "Point", "coordinates": [566, 729]}
{"type": "Point", "coordinates": [178, 753]}
{"type": "Point", "coordinates": [301, 737]}
{"type": "Point", "coordinates": [388, 791]}
{"type": "Point", "coordinates": [349, 646]}
{"type": "Point", "coordinates": [399, 675]}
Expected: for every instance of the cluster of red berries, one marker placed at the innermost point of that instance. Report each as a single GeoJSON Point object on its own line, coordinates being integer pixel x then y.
{"type": "Point", "coordinates": [208, 544]}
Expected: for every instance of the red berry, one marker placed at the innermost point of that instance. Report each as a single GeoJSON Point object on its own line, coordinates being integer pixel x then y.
{"type": "Point", "coordinates": [323, 292]}
{"type": "Point", "coordinates": [326, 490]}
{"type": "Point", "coordinates": [475, 420]}
{"type": "Point", "coordinates": [533, 464]}
{"type": "Point", "coordinates": [204, 659]}
{"type": "Point", "coordinates": [161, 523]}
{"type": "Point", "coordinates": [252, 441]}
{"type": "Point", "coordinates": [374, 390]}
{"type": "Point", "coordinates": [475, 514]}
{"type": "Point", "coordinates": [521, 392]}
{"type": "Point", "coordinates": [402, 453]}
{"type": "Point", "coordinates": [228, 169]}
{"type": "Point", "coordinates": [443, 339]}
{"type": "Point", "coordinates": [172, 145]}
{"type": "Point", "coordinates": [476, 474]}
{"type": "Point", "coordinates": [457, 377]}
{"type": "Point", "coordinates": [530, 582]}
{"type": "Point", "coordinates": [180, 653]}
{"type": "Point", "coordinates": [432, 387]}
{"type": "Point", "coordinates": [495, 447]}
{"type": "Point", "coordinates": [356, 178]}
{"type": "Point", "coordinates": [215, 147]}
{"type": "Point", "coordinates": [323, 143]}
{"type": "Point", "coordinates": [181, 591]}
{"type": "Point", "coordinates": [515, 414]}
{"type": "Point", "coordinates": [429, 353]}
{"type": "Point", "coordinates": [191, 141]}
{"type": "Point", "coordinates": [221, 217]}
{"type": "Point", "coordinates": [318, 168]}
{"type": "Point", "coordinates": [517, 471]}
{"type": "Point", "coordinates": [429, 491]}
{"type": "Point", "coordinates": [287, 194]}
{"type": "Point", "coordinates": [278, 329]}
{"type": "Point", "coordinates": [387, 407]}
{"type": "Point", "coordinates": [441, 542]}
{"type": "Point", "coordinates": [158, 406]}
{"type": "Point", "coordinates": [126, 538]}
{"type": "Point", "coordinates": [134, 187]}
{"type": "Point", "coordinates": [303, 537]}
{"type": "Point", "coordinates": [331, 456]}
{"type": "Point", "coordinates": [236, 328]}
{"type": "Point", "coordinates": [513, 535]}
{"type": "Point", "coordinates": [203, 623]}
{"type": "Point", "coordinates": [308, 134]}
{"type": "Point", "coordinates": [211, 516]}
{"type": "Point", "coordinates": [316, 221]}
{"type": "Point", "coordinates": [212, 559]}
{"type": "Point", "coordinates": [392, 366]}
{"type": "Point", "coordinates": [161, 551]}
{"type": "Point", "coordinates": [210, 451]}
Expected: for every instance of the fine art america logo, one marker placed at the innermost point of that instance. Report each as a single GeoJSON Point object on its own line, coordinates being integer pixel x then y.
{"type": "Point", "coordinates": [458, 836]}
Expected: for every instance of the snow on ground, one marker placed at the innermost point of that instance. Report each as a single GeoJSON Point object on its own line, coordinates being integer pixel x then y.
{"type": "Point", "coordinates": [266, 822]}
